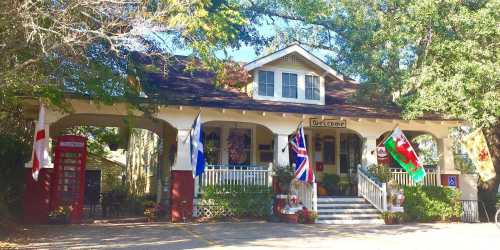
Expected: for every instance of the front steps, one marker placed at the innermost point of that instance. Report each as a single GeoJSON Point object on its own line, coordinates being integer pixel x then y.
{"type": "Point", "coordinates": [347, 210]}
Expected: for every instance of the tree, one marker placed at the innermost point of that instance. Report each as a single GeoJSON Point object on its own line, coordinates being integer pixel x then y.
{"type": "Point", "coordinates": [85, 47]}
{"type": "Point", "coordinates": [426, 56]}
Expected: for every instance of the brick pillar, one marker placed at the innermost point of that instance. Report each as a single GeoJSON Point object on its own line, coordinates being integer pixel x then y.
{"type": "Point", "coordinates": [182, 195]}
{"type": "Point", "coordinates": [37, 197]}
{"type": "Point", "coordinates": [182, 187]}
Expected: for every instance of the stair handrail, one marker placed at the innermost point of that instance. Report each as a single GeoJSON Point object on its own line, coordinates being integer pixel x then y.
{"type": "Point", "coordinates": [372, 189]}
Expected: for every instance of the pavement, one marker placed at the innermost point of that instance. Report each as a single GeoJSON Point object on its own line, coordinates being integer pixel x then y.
{"type": "Point", "coordinates": [261, 235]}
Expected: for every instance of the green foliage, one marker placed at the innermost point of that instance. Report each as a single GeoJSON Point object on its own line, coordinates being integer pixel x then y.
{"type": "Point", "coordinates": [13, 154]}
{"type": "Point", "coordinates": [382, 172]}
{"type": "Point", "coordinates": [284, 176]}
{"type": "Point", "coordinates": [330, 182]}
{"type": "Point", "coordinates": [432, 203]}
{"type": "Point", "coordinates": [240, 200]}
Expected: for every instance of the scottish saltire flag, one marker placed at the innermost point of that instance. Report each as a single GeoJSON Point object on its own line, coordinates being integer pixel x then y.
{"type": "Point", "coordinates": [197, 155]}
{"type": "Point", "coordinates": [303, 169]}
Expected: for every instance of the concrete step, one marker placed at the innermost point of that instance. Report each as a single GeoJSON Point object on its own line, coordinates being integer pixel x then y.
{"type": "Point", "coordinates": [351, 222]}
{"type": "Point", "coordinates": [343, 205]}
{"type": "Point", "coordinates": [348, 216]}
{"type": "Point", "coordinates": [341, 200]}
{"type": "Point", "coordinates": [348, 211]}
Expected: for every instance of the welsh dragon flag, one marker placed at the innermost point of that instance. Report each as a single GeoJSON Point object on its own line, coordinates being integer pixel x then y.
{"type": "Point", "coordinates": [401, 150]}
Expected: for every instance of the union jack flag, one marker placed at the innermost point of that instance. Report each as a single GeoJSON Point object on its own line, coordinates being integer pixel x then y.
{"type": "Point", "coordinates": [303, 169]}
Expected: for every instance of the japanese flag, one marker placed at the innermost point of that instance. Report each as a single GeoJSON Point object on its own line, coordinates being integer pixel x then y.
{"type": "Point", "coordinates": [41, 158]}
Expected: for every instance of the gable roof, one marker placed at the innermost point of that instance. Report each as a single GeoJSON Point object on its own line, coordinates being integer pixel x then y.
{"type": "Point", "coordinates": [293, 48]}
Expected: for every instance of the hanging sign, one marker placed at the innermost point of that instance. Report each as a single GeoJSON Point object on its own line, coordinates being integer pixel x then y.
{"type": "Point", "coordinates": [327, 123]}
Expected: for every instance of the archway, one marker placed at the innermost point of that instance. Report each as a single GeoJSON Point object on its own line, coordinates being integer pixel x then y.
{"type": "Point", "coordinates": [144, 173]}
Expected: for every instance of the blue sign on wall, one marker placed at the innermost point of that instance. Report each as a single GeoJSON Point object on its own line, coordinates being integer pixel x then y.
{"type": "Point", "coordinates": [452, 181]}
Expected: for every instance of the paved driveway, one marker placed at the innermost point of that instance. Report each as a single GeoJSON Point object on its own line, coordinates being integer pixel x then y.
{"type": "Point", "coordinates": [264, 235]}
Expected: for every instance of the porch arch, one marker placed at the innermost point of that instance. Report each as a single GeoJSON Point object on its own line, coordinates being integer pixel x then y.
{"type": "Point", "coordinates": [160, 147]}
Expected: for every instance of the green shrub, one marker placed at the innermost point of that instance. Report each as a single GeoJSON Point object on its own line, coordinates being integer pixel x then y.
{"type": "Point", "coordinates": [432, 203]}
{"type": "Point", "coordinates": [240, 200]}
{"type": "Point", "coordinates": [382, 172]}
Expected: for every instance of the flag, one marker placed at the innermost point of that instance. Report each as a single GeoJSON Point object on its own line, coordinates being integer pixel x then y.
{"type": "Point", "coordinates": [197, 155]}
{"type": "Point", "coordinates": [40, 158]}
{"type": "Point", "coordinates": [401, 150]}
{"type": "Point", "coordinates": [477, 149]}
{"type": "Point", "coordinates": [303, 169]}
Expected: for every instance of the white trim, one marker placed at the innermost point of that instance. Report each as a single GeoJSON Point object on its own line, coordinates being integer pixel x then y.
{"type": "Point", "coordinates": [288, 50]}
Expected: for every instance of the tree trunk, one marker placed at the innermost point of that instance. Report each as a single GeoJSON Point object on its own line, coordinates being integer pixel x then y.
{"type": "Point", "coordinates": [487, 191]}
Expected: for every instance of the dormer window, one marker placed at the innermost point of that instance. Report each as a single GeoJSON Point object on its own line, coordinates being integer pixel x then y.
{"type": "Point", "coordinates": [266, 83]}
{"type": "Point", "coordinates": [289, 85]}
{"type": "Point", "coordinates": [312, 87]}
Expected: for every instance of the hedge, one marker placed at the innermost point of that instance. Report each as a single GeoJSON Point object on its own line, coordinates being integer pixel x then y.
{"type": "Point", "coordinates": [432, 203]}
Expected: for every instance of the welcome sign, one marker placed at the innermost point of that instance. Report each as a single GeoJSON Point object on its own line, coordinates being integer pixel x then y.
{"type": "Point", "coordinates": [326, 123]}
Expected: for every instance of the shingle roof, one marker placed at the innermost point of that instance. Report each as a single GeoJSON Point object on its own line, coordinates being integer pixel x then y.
{"type": "Point", "coordinates": [180, 87]}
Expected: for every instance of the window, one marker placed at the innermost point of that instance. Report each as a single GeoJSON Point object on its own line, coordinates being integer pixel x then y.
{"type": "Point", "coordinates": [329, 150]}
{"type": "Point", "coordinates": [240, 146]}
{"type": "Point", "coordinates": [212, 144]}
{"type": "Point", "coordinates": [289, 83]}
{"type": "Point", "coordinates": [266, 83]}
{"type": "Point", "coordinates": [312, 87]}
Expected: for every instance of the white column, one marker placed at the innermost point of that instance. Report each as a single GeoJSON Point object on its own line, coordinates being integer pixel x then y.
{"type": "Point", "coordinates": [281, 157]}
{"type": "Point", "coordinates": [446, 161]}
{"type": "Point", "coordinates": [183, 159]}
{"type": "Point", "coordinates": [369, 155]}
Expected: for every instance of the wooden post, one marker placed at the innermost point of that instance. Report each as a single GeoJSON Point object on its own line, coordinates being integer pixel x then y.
{"type": "Point", "coordinates": [384, 197]}
{"type": "Point", "coordinates": [270, 175]}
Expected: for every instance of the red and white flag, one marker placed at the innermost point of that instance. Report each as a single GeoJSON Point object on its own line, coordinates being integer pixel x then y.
{"type": "Point", "coordinates": [41, 158]}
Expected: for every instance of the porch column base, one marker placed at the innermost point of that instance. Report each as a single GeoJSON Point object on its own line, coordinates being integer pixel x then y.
{"type": "Point", "coordinates": [37, 197]}
{"type": "Point", "coordinates": [182, 195]}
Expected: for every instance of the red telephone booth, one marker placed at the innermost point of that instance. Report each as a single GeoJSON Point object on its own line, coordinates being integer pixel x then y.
{"type": "Point", "coordinates": [68, 179]}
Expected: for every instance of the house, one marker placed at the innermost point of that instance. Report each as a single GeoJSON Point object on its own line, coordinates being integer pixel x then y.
{"type": "Point", "coordinates": [248, 129]}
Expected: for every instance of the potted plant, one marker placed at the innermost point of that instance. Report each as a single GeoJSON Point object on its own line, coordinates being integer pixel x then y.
{"type": "Point", "coordinates": [59, 215]}
{"type": "Point", "coordinates": [284, 176]}
{"type": "Point", "coordinates": [312, 217]}
{"type": "Point", "coordinates": [392, 218]}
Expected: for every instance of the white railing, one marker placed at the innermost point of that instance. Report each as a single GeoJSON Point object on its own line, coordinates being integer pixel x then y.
{"type": "Point", "coordinates": [403, 178]}
{"type": "Point", "coordinates": [306, 192]}
{"type": "Point", "coordinates": [373, 192]}
{"type": "Point", "coordinates": [223, 174]}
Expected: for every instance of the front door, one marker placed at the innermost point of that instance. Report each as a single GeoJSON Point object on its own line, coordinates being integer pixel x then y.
{"type": "Point", "coordinates": [350, 157]}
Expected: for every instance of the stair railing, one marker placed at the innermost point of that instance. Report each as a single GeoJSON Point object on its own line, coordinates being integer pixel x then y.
{"type": "Point", "coordinates": [306, 193]}
{"type": "Point", "coordinates": [372, 190]}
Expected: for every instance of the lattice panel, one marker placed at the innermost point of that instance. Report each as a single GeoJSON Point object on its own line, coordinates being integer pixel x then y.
{"type": "Point", "coordinates": [208, 209]}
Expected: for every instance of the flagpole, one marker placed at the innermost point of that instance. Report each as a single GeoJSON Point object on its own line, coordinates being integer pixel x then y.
{"type": "Point", "coordinates": [191, 130]}
{"type": "Point", "coordinates": [296, 129]}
